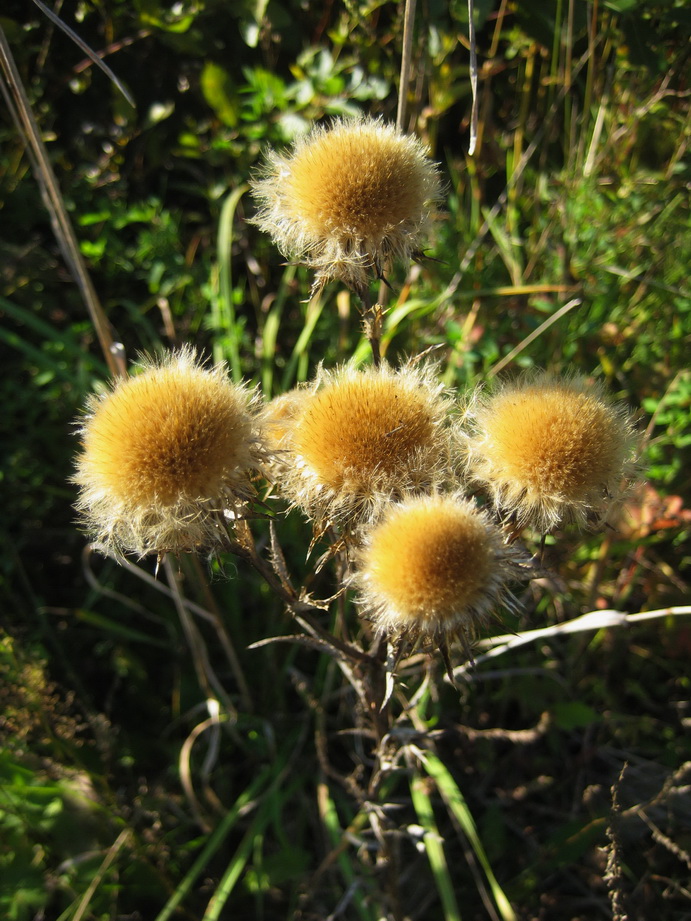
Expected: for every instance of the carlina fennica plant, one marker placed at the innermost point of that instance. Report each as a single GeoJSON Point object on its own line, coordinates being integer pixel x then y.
{"type": "Point", "coordinates": [277, 418]}
{"type": "Point", "coordinates": [551, 450]}
{"type": "Point", "coordinates": [348, 199]}
{"type": "Point", "coordinates": [164, 458]}
{"type": "Point", "coordinates": [364, 437]}
{"type": "Point", "coordinates": [433, 569]}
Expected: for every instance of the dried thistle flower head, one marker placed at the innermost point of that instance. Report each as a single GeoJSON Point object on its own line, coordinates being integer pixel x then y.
{"type": "Point", "coordinates": [277, 417]}
{"type": "Point", "coordinates": [276, 420]}
{"type": "Point", "coordinates": [164, 454]}
{"type": "Point", "coordinates": [551, 451]}
{"type": "Point", "coordinates": [365, 436]}
{"type": "Point", "coordinates": [433, 568]}
{"type": "Point", "coordinates": [348, 199]}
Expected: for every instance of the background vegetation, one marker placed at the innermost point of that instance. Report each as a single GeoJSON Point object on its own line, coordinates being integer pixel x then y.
{"type": "Point", "coordinates": [114, 803]}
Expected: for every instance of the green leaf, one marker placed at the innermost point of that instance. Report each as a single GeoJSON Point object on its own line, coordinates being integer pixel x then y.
{"type": "Point", "coordinates": [219, 92]}
{"type": "Point", "coordinates": [574, 715]}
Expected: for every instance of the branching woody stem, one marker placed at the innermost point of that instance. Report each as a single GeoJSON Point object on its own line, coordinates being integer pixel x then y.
{"type": "Point", "coordinates": [302, 610]}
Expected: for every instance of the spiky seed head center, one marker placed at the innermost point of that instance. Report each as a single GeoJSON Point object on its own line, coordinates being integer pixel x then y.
{"type": "Point", "coordinates": [362, 427]}
{"type": "Point", "coordinates": [165, 436]}
{"type": "Point", "coordinates": [554, 440]}
{"type": "Point", "coordinates": [359, 182]}
{"type": "Point", "coordinates": [430, 562]}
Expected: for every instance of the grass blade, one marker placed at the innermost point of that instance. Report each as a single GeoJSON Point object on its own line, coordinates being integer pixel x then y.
{"type": "Point", "coordinates": [99, 62]}
{"type": "Point", "coordinates": [557, 315]}
{"type": "Point", "coordinates": [454, 800]}
{"type": "Point", "coordinates": [22, 115]}
{"type": "Point", "coordinates": [434, 847]}
{"type": "Point", "coordinates": [329, 815]}
{"type": "Point", "coordinates": [296, 364]}
{"type": "Point", "coordinates": [271, 329]}
{"type": "Point", "coordinates": [223, 310]}
{"type": "Point", "coordinates": [46, 331]}
{"type": "Point", "coordinates": [237, 863]}
{"type": "Point", "coordinates": [216, 839]}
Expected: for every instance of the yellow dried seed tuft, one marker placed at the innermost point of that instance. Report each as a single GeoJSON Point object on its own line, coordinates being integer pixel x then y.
{"type": "Point", "coordinates": [163, 454]}
{"type": "Point", "coordinates": [551, 450]}
{"type": "Point", "coordinates": [349, 199]}
{"type": "Point", "coordinates": [278, 416]}
{"type": "Point", "coordinates": [363, 426]}
{"type": "Point", "coordinates": [430, 560]}
{"type": "Point", "coordinates": [358, 181]}
{"type": "Point", "coordinates": [363, 437]}
{"type": "Point", "coordinates": [175, 435]}
{"type": "Point", "coordinates": [434, 567]}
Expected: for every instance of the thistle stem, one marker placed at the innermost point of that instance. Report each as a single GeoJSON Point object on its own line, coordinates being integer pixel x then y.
{"type": "Point", "coordinates": [303, 611]}
{"type": "Point", "coordinates": [372, 324]}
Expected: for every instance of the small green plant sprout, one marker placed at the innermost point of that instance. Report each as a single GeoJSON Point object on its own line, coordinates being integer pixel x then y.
{"type": "Point", "coordinates": [433, 570]}
{"type": "Point", "coordinates": [362, 438]}
{"type": "Point", "coordinates": [165, 456]}
{"type": "Point", "coordinates": [348, 199]}
{"type": "Point", "coordinates": [551, 451]}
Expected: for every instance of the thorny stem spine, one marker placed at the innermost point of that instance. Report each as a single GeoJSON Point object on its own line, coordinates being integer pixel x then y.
{"type": "Point", "coordinates": [247, 550]}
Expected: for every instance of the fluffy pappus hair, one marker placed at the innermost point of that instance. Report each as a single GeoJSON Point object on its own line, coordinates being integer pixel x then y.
{"type": "Point", "coordinates": [363, 437]}
{"type": "Point", "coordinates": [164, 459]}
{"type": "Point", "coordinates": [551, 450]}
{"type": "Point", "coordinates": [348, 199]}
{"type": "Point", "coordinates": [277, 416]}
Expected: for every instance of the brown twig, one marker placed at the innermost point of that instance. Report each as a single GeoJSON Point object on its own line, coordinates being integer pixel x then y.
{"type": "Point", "coordinates": [22, 115]}
{"type": "Point", "coordinates": [372, 323]}
{"type": "Point", "coordinates": [406, 59]}
{"type": "Point", "coordinates": [303, 611]}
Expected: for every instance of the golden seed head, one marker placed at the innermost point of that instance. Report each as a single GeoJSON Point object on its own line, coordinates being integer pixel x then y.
{"type": "Point", "coordinates": [164, 453]}
{"type": "Point", "coordinates": [348, 199]}
{"type": "Point", "coordinates": [278, 415]}
{"type": "Point", "coordinates": [433, 566]}
{"type": "Point", "coordinates": [365, 436]}
{"type": "Point", "coordinates": [551, 450]}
